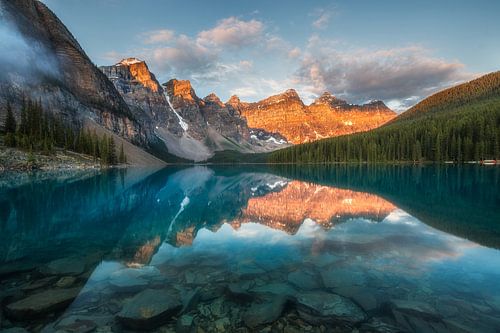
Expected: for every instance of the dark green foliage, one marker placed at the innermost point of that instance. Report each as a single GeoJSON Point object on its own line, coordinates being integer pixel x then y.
{"type": "Point", "coordinates": [112, 159]}
{"type": "Point", "coordinates": [235, 157]}
{"type": "Point", "coordinates": [10, 128]}
{"type": "Point", "coordinates": [42, 132]}
{"type": "Point", "coordinates": [10, 121]}
{"type": "Point", "coordinates": [458, 124]}
{"type": "Point", "coordinates": [122, 159]}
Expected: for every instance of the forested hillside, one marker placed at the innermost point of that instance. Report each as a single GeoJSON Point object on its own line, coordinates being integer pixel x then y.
{"type": "Point", "coordinates": [42, 131]}
{"type": "Point", "coordinates": [460, 124]}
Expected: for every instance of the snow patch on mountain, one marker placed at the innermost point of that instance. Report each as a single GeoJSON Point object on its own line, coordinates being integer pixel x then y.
{"type": "Point", "coordinates": [182, 123]}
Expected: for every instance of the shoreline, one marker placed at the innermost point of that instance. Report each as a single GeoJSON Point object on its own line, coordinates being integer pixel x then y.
{"type": "Point", "coordinates": [20, 161]}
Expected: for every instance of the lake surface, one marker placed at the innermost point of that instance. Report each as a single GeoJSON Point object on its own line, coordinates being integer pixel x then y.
{"type": "Point", "coordinates": [243, 249]}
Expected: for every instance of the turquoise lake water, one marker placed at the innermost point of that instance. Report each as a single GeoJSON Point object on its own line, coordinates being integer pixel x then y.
{"type": "Point", "coordinates": [254, 248]}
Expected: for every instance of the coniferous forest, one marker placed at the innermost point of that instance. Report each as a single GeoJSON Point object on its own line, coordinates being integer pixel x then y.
{"type": "Point", "coordinates": [458, 124]}
{"type": "Point", "coordinates": [40, 131]}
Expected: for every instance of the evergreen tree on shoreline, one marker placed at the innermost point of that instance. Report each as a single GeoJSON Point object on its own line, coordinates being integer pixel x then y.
{"type": "Point", "coordinates": [41, 131]}
{"type": "Point", "coordinates": [10, 127]}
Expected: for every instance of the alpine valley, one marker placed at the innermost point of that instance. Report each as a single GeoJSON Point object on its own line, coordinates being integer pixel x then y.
{"type": "Point", "coordinates": [344, 179]}
{"type": "Point", "coordinates": [155, 122]}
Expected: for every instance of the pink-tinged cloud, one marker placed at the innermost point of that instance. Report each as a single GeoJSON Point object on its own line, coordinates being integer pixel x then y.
{"type": "Point", "coordinates": [359, 75]}
{"type": "Point", "coordinates": [157, 36]}
{"type": "Point", "coordinates": [185, 56]}
{"type": "Point", "coordinates": [232, 32]}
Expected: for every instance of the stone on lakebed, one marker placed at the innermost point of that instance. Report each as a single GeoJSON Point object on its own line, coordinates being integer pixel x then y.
{"type": "Point", "coordinates": [323, 307]}
{"type": "Point", "coordinates": [41, 303]}
{"type": "Point", "coordinates": [149, 309]}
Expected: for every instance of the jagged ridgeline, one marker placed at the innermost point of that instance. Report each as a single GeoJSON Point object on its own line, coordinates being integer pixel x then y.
{"type": "Point", "coordinates": [458, 124]}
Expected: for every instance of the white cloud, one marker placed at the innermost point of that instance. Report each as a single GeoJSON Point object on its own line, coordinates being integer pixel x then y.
{"type": "Point", "coordinates": [244, 92]}
{"type": "Point", "coordinates": [157, 36]}
{"type": "Point", "coordinates": [400, 75]}
{"type": "Point", "coordinates": [246, 64]}
{"type": "Point", "coordinates": [294, 53]}
{"type": "Point", "coordinates": [184, 57]}
{"type": "Point", "coordinates": [322, 19]}
{"type": "Point", "coordinates": [232, 32]}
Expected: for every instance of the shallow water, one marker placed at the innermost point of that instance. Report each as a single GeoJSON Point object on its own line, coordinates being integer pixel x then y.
{"type": "Point", "coordinates": [282, 249]}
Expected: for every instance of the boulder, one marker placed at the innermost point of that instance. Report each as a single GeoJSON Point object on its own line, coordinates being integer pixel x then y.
{"type": "Point", "coordinates": [340, 278]}
{"type": "Point", "coordinates": [184, 324]}
{"type": "Point", "coordinates": [64, 266]}
{"type": "Point", "coordinates": [41, 303]}
{"type": "Point", "coordinates": [280, 289]}
{"type": "Point", "coordinates": [323, 307]}
{"type": "Point", "coordinates": [305, 280]}
{"type": "Point", "coordinates": [128, 279]}
{"type": "Point", "coordinates": [37, 284]}
{"type": "Point", "coordinates": [415, 314]}
{"type": "Point", "coordinates": [264, 313]}
{"type": "Point", "coordinates": [66, 282]}
{"type": "Point", "coordinates": [149, 309]}
{"type": "Point", "coordinates": [14, 330]}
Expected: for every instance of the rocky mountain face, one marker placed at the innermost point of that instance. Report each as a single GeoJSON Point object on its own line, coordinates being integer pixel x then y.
{"type": "Point", "coordinates": [127, 100]}
{"type": "Point", "coordinates": [57, 71]}
{"type": "Point", "coordinates": [143, 94]}
{"type": "Point", "coordinates": [210, 125]}
{"type": "Point", "coordinates": [190, 127]}
{"type": "Point", "coordinates": [47, 63]}
{"type": "Point", "coordinates": [326, 117]}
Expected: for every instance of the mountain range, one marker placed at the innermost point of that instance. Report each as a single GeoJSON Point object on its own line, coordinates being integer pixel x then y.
{"type": "Point", "coordinates": [158, 122]}
{"type": "Point", "coordinates": [458, 124]}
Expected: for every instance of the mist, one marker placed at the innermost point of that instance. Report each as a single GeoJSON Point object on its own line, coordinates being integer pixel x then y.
{"type": "Point", "coordinates": [23, 59]}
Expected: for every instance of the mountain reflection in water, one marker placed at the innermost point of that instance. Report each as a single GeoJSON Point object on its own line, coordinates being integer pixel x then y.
{"type": "Point", "coordinates": [377, 249]}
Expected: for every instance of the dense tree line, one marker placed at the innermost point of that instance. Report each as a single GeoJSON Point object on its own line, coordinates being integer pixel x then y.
{"type": "Point", "coordinates": [43, 132]}
{"type": "Point", "coordinates": [468, 132]}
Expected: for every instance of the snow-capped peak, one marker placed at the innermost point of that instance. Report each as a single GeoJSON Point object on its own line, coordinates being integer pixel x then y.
{"type": "Point", "coordinates": [129, 61]}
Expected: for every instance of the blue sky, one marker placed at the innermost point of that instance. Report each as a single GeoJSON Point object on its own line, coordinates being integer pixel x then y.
{"type": "Point", "coordinates": [397, 51]}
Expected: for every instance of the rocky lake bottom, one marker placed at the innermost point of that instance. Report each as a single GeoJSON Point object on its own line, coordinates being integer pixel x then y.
{"type": "Point", "coordinates": [252, 250]}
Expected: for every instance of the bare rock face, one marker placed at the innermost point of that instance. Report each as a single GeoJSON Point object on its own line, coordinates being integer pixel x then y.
{"type": "Point", "coordinates": [56, 70]}
{"type": "Point", "coordinates": [224, 119]}
{"type": "Point", "coordinates": [142, 93]}
{"type": "Point", "coordinates": [218, 125]}
{"type": "Point", "coordinates": [184, 101]}
{"type": "Point", "coordinates": [326, 117]}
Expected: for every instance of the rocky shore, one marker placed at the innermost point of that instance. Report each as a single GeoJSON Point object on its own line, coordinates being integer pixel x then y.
{"type": "Point", "coordinates": [12, 159]}
{"type": "Point", "coordinates": [207, 294]}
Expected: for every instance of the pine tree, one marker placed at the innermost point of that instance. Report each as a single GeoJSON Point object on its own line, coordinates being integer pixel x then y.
{"type": "Point", "coordinates": [10, 121]}
{"type": "Point", "coordinates": [112, 160]}
{"type": "Point", "coordinates": [104, 150]}
{"type": "Point", "coordinates": [10, 128]}
{"type": "Point", "coordinates": [122, 158]}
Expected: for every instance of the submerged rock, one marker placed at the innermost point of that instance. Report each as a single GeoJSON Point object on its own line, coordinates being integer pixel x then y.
{"type": "Point", "coordinates": [184, 324]}
{"type": "Point", "coordinates": [128, 279]}
{"type": "Point", "coordinates": [322, 307]}
{"type": "Point", "coordinates": [66, 282]}
{"type": "Point", "coordinates": [280, 289]}
{"type": "Point", "coordinates": [37, 284]}
{"type": "Point", "coordinates": [416, 308]}
{"type": "Point", "coordinates": [14, 330]}
{"type": "Point", "coordinates": [415, 315]}
{"type": "Point", "coordinates": [264, 313]}
{"type": "Point", "coordinates": [65, 266]}
{"type": "Point", "coordinates": [338, 278]}
{"type": "Point", "coordinates": [305, 280]}
{"type": "Point", "coordinates": [241, 290]}
{"type": "Point", "coordinates": [41, 303]}
{"type": "Point", "coordinates": [79, 323]}
{"type": "Point", "coordinates": [149, 309]}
